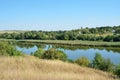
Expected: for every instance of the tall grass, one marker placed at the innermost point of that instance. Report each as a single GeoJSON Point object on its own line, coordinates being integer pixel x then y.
{"type": "Point", "coordinates": [31, 68]}
{"type": "Point", "coordinates": [75, 42]}
{"type": "Point", "coordinates": [69, 42]}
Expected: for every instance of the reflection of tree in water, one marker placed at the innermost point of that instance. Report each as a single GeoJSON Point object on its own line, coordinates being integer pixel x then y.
{"type": "Point", "coordinates": [113, 49]}
{"type": "Point", "coordinates": [41, 45]}
{"type": "Point", "coordinates": [68, 47]}
{"type": "Point", "coordinates": [23, 45]}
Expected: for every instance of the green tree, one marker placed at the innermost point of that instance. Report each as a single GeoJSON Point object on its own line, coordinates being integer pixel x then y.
{"type": "Point", "coordinates": [116, 38]}
{"type": "Point", "coordinates": [85, 31]}
{"type": "Point", "coordinates": [108, 38]}
{"type": "Point", "coordinates": [39, 53]}
{"type": "Point", "coordinates": [54, 54]}
{"type": "Point", "coordinates": [98, 60]}
{"type": "Point", "coordinates": [103, 64]}
{"type": "Point", "coordinates": [66, 36]}
{"type": "Point", "coordinates": [83, 61]}
{"type": "Point", "coordinates": [117, 31]}
{"type": "Point", "coordinates": [8, 50]}
{"type": "Point", "coordinates": [72, 36]}
{"type": "Point", "coordinates": [107, 65]}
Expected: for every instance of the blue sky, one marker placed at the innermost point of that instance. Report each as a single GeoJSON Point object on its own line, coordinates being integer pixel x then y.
{"type": "Point", "coordinates": [58, 14]}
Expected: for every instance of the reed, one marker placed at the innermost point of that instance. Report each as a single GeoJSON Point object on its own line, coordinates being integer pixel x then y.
{"type": "Point", "coordinates": [75, 42]}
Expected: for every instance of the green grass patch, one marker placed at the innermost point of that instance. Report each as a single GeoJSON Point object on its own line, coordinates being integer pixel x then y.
{"type": "Point", "coordinates": [75, 42]}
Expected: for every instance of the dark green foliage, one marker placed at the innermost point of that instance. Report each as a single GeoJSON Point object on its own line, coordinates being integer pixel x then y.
{"type": "Point", "coordinates": [117, 70]}
{"type": "Point", "coordinates": [50, 54]}
{"type": "Point", "coordinates": [83, 61]}
{"type": "Point", "coordinates": [98, 60]}
{"type": "Point", "coordinates": [103, 64]}
{"type": "Point", "coordinates": [116, 38]}
{"type": "Point", "coordinates": [39, 53]}
{"type": "Point", "coordinates": [8, 50]}
{"type": "Point", "coordinates": [85, 31]}
{"type": "Point", "coordinates": [108, 38]}
{"type": "Point", "coordinates": [54, 54]}
{"type": "Point", "coordinates": [107, 65]}
{"type": "Point", "coordinates": [66, 36]}
{"type": "Point", "coordinates": [99, 63]}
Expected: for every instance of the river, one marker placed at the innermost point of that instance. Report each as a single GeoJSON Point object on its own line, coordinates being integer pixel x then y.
{"type": "Point", "coordinates": [75, 52]}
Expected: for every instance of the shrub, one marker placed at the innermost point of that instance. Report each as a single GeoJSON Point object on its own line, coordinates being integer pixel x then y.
{"type": "Point", "coordinates": [117, 70]}
{"type": "Point", "coordinates": [107, 65]}
{"type": "Point", "coordinates": [83, 61]}
{"type": "Point", "coordinates": [8, 50]}
{"type": "Point", "coordinates": [54, 54]}
{"type": "Point", "coordinates": [103, 64]}
{"type": "Point", "coordinates": [39, 53]}
{"type": "Point", "coordinates": [98, 60]}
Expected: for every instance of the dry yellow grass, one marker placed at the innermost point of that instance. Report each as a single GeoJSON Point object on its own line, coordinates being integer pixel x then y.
{"type": "Point", "coordinates": [31, 68]}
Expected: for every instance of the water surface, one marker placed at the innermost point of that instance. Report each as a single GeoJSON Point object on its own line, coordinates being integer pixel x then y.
{"type": "Point", "coordinates": [75, 52]}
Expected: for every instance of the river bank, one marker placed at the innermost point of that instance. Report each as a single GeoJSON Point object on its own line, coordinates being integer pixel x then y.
{"type": "Point", "coordinates": [74, 43]}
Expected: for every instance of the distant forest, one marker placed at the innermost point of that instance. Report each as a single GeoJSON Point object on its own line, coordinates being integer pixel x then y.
{"type": "Point", "coordinates": [106, 33]}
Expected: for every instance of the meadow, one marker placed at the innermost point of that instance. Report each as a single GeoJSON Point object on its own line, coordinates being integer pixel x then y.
{"type": "Point", "coordinates": [31, 68]}
{"type": "Point", "coordinates": [75, 42]}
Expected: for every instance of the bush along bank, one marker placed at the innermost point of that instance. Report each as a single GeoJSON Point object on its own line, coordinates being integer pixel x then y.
{"type": "Point", "coordinates": [99, 62]}
{"type": "Point", "coordinates": [6, 49]}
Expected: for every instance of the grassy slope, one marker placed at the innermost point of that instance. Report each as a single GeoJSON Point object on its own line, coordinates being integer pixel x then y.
{"type": "Point", "coordinates": [31, 68]}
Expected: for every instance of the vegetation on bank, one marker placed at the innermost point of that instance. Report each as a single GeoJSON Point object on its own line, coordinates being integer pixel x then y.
{"type": "Point", "coordinates": [83, 61]}
{"type": "Point", "coordinates": [67, 42]}
{"type": "Point", "coordinates": [50, 54]}
{"type": "Point", "coordinates": [107, 33]}
{"type": "Point", "coordinates": [74, 42]}
{"type": "Point", "coordinates": [98, 63]}
{"type": "Point", "coordinates": [6, 49]}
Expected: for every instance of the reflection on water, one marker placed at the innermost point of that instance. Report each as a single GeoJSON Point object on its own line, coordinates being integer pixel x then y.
{"type": "Point", "coordinates": [27, 50]}
{"type": "Point", "coordinates": [74, 52]}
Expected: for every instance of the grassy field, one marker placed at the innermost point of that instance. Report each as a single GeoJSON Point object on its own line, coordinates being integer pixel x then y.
{"type": "Point", "coordinates": [31, 68]}
{"type": "Point", "coordinates": [12, 31]}
{"type": "Point", "coordinates": [75, 42]}
{"type": "Point", "coordinates": [69, 42]}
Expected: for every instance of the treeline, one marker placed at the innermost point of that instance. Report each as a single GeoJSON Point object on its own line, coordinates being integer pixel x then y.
{"type": "Point", "coordinates": [106, 33]}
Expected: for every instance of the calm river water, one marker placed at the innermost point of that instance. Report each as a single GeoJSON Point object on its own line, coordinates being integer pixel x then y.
{"type": "Point", "coordinates": [75, 52]}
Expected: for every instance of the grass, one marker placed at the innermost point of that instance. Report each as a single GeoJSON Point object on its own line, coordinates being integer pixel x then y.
{"type": "Point", "coordinates": [31, 68]}
{"type": "Point", "coordinates": [12, 31]}
{"type": "Point", "coordinates": [75, 42]}
{"type": "Point", "coordinates": [69, 42]}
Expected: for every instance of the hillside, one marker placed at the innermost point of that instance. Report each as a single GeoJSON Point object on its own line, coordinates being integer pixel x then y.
{"type": "Point", "coordinates": [11, 31]}
{"type": "Point", "coordinates": [31, 68]}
